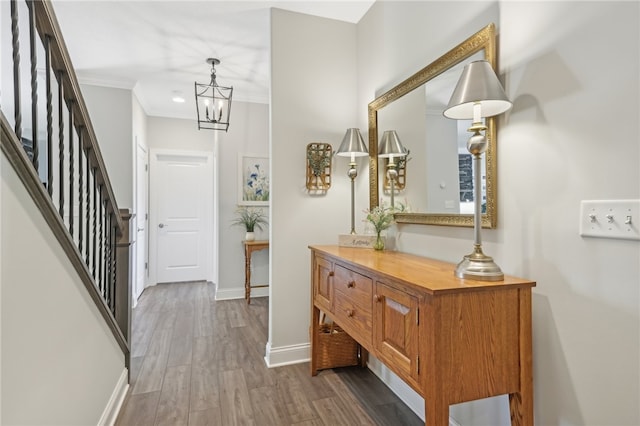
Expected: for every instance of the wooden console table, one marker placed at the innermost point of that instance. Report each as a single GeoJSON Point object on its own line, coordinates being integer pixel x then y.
{"type": "Point", "coordinates": [451, 340]}
{"type": "Point", "coordinates": [249, 248]}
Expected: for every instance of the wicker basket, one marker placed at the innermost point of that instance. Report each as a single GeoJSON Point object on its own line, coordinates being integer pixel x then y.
{"type": "Point", "coordinates": [335, 348]}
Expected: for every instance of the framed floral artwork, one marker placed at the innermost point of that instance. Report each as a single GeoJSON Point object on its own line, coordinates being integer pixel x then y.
{"type": "Point", "coordinates": [253, 180]}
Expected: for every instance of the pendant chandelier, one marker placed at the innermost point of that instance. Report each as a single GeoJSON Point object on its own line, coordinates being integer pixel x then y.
{"type": "Point", "coordinates": [213, 102]}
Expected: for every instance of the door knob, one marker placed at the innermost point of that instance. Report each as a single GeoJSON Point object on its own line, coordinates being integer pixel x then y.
{"type": "Point", "coordinates": [162, 225]}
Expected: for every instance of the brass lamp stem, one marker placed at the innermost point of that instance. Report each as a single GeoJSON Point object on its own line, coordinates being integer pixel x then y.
{"type": "Point", "coordinates": [352, 173]}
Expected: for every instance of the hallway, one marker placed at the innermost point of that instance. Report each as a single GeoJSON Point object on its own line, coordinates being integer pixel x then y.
{"type": "Point", "coordinates": [197, 361]}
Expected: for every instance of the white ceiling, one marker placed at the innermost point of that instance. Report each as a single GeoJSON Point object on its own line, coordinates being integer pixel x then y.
{"type": "Point", "coordinates": [159, 48]}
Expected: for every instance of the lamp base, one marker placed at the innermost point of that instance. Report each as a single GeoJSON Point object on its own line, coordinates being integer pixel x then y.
{"type": "Point", "coordinates": [478, 266]}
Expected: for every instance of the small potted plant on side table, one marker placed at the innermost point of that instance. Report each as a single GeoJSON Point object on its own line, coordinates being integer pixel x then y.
{"type": "Point", "coordinates": [251, 219]}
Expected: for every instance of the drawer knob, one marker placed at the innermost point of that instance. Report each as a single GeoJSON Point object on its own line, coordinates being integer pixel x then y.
{"type": "Point", "coordinates": [378, 298]}
{"type": "Point", "coordinates": [350, 313]}
{"type": "Point", "coordinates": [331, 273]}
{"type": "Point", "coordinates": [351, 284]}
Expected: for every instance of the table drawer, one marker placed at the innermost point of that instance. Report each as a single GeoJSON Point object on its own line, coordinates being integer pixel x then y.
{"type": "Point", "coordinates": [357, 288]}
{"type": "Point", "coordinates": [354, 320]}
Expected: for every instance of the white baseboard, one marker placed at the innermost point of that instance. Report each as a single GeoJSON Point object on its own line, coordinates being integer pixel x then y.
{"type": "Point", "coordinates": [238, 293]}
{"type": "Point", "coordinates": [402, 390]}
{"type": "Point", "coordinates": [112, 409]}
{"type": "Point", "coordinates": [286, 355]}
{"type": "Point", "coordinates": [413, 400]}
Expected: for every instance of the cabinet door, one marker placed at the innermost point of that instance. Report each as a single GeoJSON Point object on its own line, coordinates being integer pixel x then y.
{"type": "Point", "coordinates": [322, 283]}
{"type": "Point", "coordinates": [396, 330]}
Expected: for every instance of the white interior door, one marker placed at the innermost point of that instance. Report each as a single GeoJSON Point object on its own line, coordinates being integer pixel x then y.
{"type": "Point", "coordinates": [182, 189]}
{"type": "Point", "coordinates": [142, 182]}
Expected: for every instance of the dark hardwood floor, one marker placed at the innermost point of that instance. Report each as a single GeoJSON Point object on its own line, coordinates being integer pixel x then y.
{"type": "Point", "coordinates": [197, 361]}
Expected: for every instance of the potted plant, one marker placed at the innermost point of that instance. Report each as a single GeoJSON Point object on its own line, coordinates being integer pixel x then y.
{"type": "Point", "coordinates": [382, 217]}
{"type": "Point", "coordinates": [251, 219]}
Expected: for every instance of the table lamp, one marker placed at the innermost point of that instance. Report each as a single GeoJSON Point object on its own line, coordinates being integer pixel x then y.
{"type": "Point", "coordinates": [352, 146]}
{"type": "Point", "coordinates": [477, 95]}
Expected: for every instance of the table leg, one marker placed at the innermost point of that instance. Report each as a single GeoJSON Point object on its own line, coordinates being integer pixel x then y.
{"type": "Point", "coordinates": [247, 274]}
{"type": "Point", "coordinates": [313, 329]}
{"type": "Point", "coordinates": [364, 356]}
{"type": "Point", "coordinates": [436, 411]}
{"type": "Point", "coordinates": [521, 403]}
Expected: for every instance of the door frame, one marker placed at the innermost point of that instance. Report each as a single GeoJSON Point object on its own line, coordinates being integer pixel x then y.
{"type": "Point", "coordinates": [207, 191]}
{"type": "Point", "coordinates": [141, 151]}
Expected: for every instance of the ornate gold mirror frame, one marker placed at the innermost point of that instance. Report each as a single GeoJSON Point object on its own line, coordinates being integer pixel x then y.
{"type": "Point", "coordinates": [482, 40]}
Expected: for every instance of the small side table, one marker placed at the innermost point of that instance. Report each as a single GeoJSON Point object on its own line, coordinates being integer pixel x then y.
{"type": "Point", "coordinates": [249, 248]}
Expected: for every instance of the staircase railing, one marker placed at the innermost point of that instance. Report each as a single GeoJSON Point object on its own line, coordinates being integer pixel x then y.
{"type": "Point", "coordinates": [49, 140]}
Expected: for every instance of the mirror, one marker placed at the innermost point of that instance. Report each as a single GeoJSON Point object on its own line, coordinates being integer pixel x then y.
{"type": "Point", "coordinates": [437, 182]}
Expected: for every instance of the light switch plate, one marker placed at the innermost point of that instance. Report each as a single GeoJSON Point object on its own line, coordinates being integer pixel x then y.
{"type": "Point", "coordinates": [610, 219]}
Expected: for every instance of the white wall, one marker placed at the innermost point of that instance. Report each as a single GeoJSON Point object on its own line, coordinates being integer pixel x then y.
{"type": "Point", "coordinates": [572, 71]}
{"type": "Point", "coordinates": [249, 134]}
{"type": "Point", "coordinates": [313, 82]}
{"type": "Point", "coordinates": [111, 115]}
{"type": "Point", "coordinates": [60, 361]}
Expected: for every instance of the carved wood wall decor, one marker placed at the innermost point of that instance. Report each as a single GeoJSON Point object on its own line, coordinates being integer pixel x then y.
{"type": "Point", "coordinates": [319, 156]}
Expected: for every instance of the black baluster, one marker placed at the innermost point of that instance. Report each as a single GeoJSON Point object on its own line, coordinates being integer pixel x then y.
{"type": "Point", "coordinates": [95, 227]}
{"type": "Point", "coordinates": [107, 253]}
{"type": "Point", "coordinates": [80, 192]}
{"type": "Point", "coordinates": [61, 142]}
{"type": "Point", "coordinates": [71, 160]}
{"type": "Point", "coordinates": [112, 301]}
{"type": "Point", "coordinates": [34, 84]}
{"type": "Point", "coordinates": [100, 262]}
{"type": "Point", "coordinates": [88, 207]}
{"type": "Point", "coordinates": [16, 69]}
{"type": "Point", "coordinates": [47, 50]}
{"type": "Point", "coordinates": [114, 268]}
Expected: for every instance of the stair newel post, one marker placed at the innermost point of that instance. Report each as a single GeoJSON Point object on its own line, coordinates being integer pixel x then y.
{"type": "Point", "coordinates": [123, 281]}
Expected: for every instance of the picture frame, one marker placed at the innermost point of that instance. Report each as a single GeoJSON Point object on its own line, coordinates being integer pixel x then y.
{"type": "Point", "coordinates": [253, 180]}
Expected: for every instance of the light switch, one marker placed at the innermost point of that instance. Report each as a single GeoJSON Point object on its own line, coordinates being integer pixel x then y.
{"type": "Point", "coordinates": [610, 219]}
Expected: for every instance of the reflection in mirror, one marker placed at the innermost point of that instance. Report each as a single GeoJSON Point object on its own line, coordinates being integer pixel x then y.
{"type": "Point", "coordinates": [439, 183]}
{"type": "Point", "coordinates": [448, 166]}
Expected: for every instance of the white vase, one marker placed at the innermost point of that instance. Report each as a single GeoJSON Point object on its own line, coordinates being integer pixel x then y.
{"type": "Point", "coordinates": [249, 236]}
